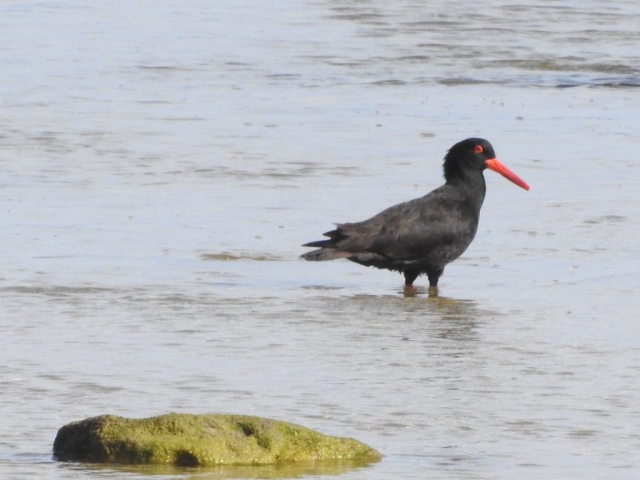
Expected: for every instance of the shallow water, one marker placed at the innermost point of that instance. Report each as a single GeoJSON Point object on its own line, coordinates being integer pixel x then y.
{"type": "Point", "coordinates": [162, 162]}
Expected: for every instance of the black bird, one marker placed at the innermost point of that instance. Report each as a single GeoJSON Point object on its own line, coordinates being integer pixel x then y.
{"type": "Point", "coordinates": [422, 235]}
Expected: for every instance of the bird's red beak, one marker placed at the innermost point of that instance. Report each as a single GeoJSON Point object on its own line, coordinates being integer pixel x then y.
{"type": "Point", "coordinates": [496, 166]}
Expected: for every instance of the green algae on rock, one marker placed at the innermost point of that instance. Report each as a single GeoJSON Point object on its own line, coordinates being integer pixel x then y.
{"type": "Point", "coordinates": [202, 440]}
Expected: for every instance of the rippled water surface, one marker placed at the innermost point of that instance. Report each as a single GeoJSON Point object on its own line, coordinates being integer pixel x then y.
{"type": "Point", "coordinates": [161, 163]}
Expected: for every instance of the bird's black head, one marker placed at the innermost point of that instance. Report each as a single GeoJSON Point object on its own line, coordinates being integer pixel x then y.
{"type": "Point", "coordinates": [466, 156]}
{"type": "Point", "coordinates": [467, 159]}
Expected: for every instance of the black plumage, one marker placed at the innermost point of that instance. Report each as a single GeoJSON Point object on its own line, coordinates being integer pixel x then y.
{"type": "Point", "coordinates": [422, 236]}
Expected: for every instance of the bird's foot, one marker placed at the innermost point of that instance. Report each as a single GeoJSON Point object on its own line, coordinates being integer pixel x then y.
{"type": "Point", "coordinates": [410, 291]}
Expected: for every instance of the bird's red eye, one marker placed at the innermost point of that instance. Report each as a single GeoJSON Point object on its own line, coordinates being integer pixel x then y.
{"type": "Point", "coordinates": [478, 149]}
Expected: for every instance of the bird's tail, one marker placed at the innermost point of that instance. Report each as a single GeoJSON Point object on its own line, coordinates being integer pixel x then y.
{"type": "Point", "coordinates": [322, 254]}
{"type": "Point", "coordinates": [328, 248]}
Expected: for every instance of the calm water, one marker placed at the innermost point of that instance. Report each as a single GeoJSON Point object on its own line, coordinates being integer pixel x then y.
{"type": "Point", "coordinates": [161, 163]}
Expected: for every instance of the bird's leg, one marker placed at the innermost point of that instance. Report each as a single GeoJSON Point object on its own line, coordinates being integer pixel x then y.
{"type": "Point", "coordinates": [409, 278]}
{"type": "Point", "coordinates": [434, 276]}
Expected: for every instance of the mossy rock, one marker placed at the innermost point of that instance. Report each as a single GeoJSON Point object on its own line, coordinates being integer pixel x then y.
{"type": "Point", "coordinates": [202, 440]}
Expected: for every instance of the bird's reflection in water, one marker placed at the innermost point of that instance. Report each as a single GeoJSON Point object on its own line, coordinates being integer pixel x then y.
{"type": "Point", "coordinates": [457, 319]}
{"type": "Point", "coordinates": [443, 317]}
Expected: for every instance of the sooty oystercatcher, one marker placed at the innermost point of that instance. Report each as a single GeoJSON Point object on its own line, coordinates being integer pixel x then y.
{"type": "Point", "coordinates": [422, 235]}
